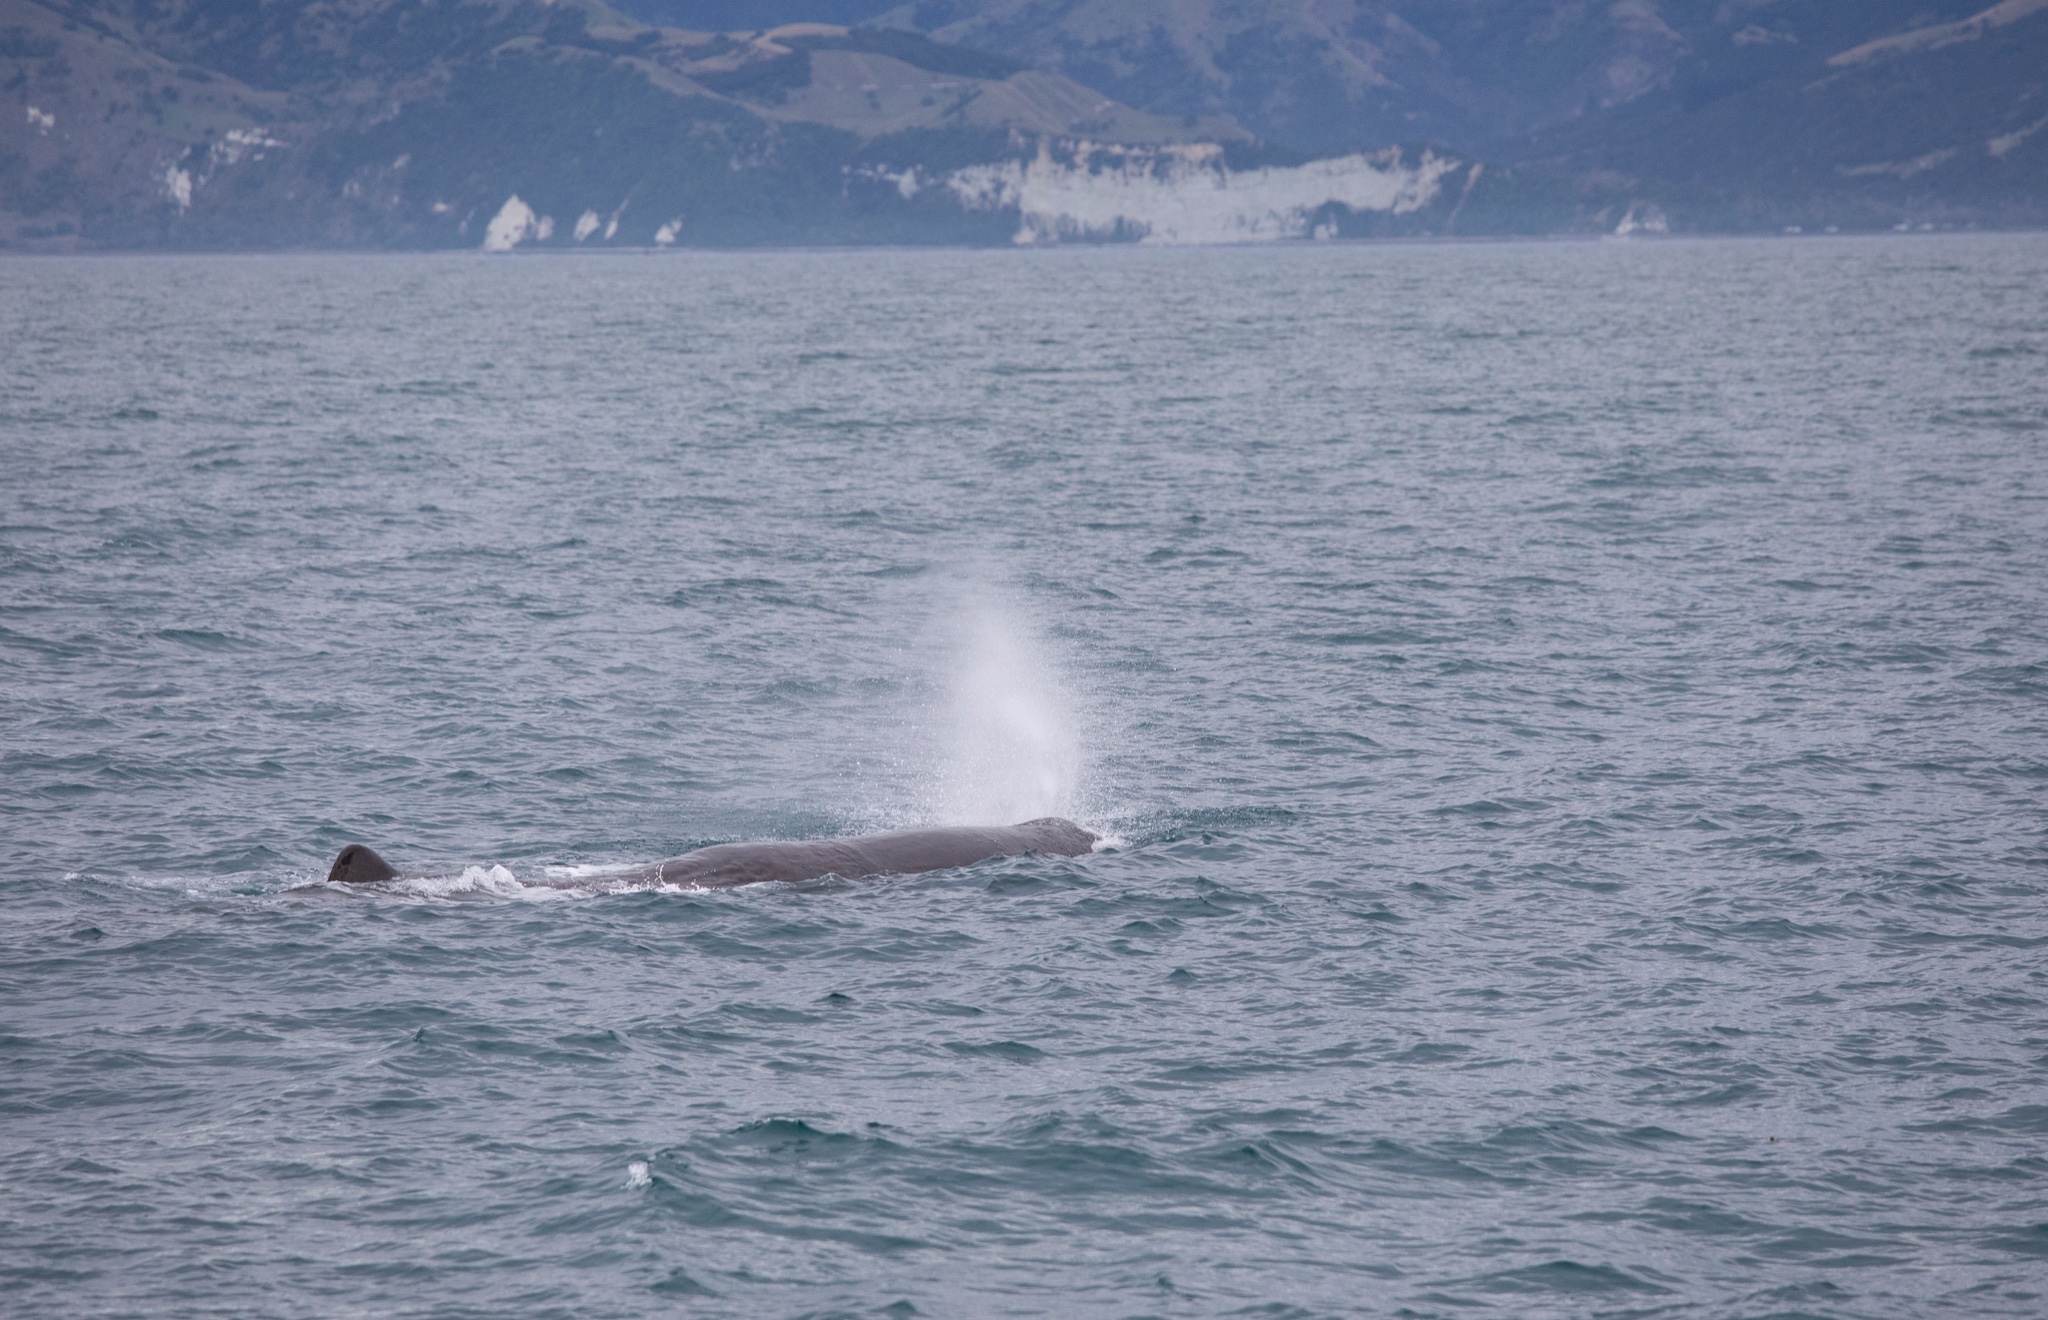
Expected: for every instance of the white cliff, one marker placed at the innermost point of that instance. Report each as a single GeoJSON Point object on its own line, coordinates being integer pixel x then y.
{"type": "Point", "coordinates": [1179, 194]}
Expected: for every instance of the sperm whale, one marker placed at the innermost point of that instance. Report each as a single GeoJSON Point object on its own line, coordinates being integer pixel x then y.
{"type": "Point", "coordinates": [899, 852]}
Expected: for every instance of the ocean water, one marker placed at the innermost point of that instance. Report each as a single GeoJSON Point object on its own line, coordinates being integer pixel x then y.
{"type": "Point", "coordinates": [1570, 723]}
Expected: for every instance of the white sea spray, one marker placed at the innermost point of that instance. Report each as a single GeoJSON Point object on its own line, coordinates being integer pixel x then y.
{"type": "Point", "coordinates": [1011, 747]}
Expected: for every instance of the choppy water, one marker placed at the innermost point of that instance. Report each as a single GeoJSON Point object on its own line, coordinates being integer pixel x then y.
{"type": "Point", "coordinates": [1571, 719]}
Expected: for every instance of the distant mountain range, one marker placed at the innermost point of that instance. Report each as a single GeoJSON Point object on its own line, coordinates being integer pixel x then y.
{"type": "Point", "coordinates": [223, 124]}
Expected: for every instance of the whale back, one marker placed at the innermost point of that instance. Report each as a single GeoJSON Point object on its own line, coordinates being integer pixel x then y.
{"type": "Point", "coordinates": [902, 852]}
{"type": "Point", "coordinates": [357, 865]}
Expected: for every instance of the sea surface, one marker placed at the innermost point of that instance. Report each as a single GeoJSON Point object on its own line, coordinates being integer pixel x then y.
{"type": "Point", "coordinates": [1569, 723]}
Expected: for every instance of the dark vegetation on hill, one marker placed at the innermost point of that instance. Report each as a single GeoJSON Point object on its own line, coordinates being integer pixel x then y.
{"type": "Point", "coordinates": [410, 123]}
{"type": "Point", "coordinates": [217, 123]}
{"type": "Point", "coordinates": [1732, 113]}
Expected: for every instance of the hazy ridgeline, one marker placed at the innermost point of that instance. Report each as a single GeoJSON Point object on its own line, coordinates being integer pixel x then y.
{"type": "Point", "coordinates": [1570, 719]}
{"type": "Point", "coordinates": [217, 125]}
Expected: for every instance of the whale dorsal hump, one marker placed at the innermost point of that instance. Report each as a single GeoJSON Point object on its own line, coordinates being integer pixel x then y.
{"type": "Point", "coordinates": [357, 865]}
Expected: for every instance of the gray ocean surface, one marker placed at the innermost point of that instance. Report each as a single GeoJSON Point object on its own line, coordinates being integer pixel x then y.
{"type": "Point", "coordinates": [1570, 723]}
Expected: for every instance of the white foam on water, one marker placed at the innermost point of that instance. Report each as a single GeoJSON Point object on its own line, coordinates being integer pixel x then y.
{"type": "Point", "coordinates": [591, 870]}
{"type": "Point", "coordinates": [637, 1175]}
{"type": "Point", "coordinates": [192, 886]}
{"type": "Point", "coordinates": [1009, 745]}
{"type": "Point", "coordinates": [473, 880]}
{"type": "Point", "coordinates": [495, 881]}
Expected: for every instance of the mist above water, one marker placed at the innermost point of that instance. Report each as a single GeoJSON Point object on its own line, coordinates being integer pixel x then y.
{"type": "Point", "coordinates": [1008, 747]}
